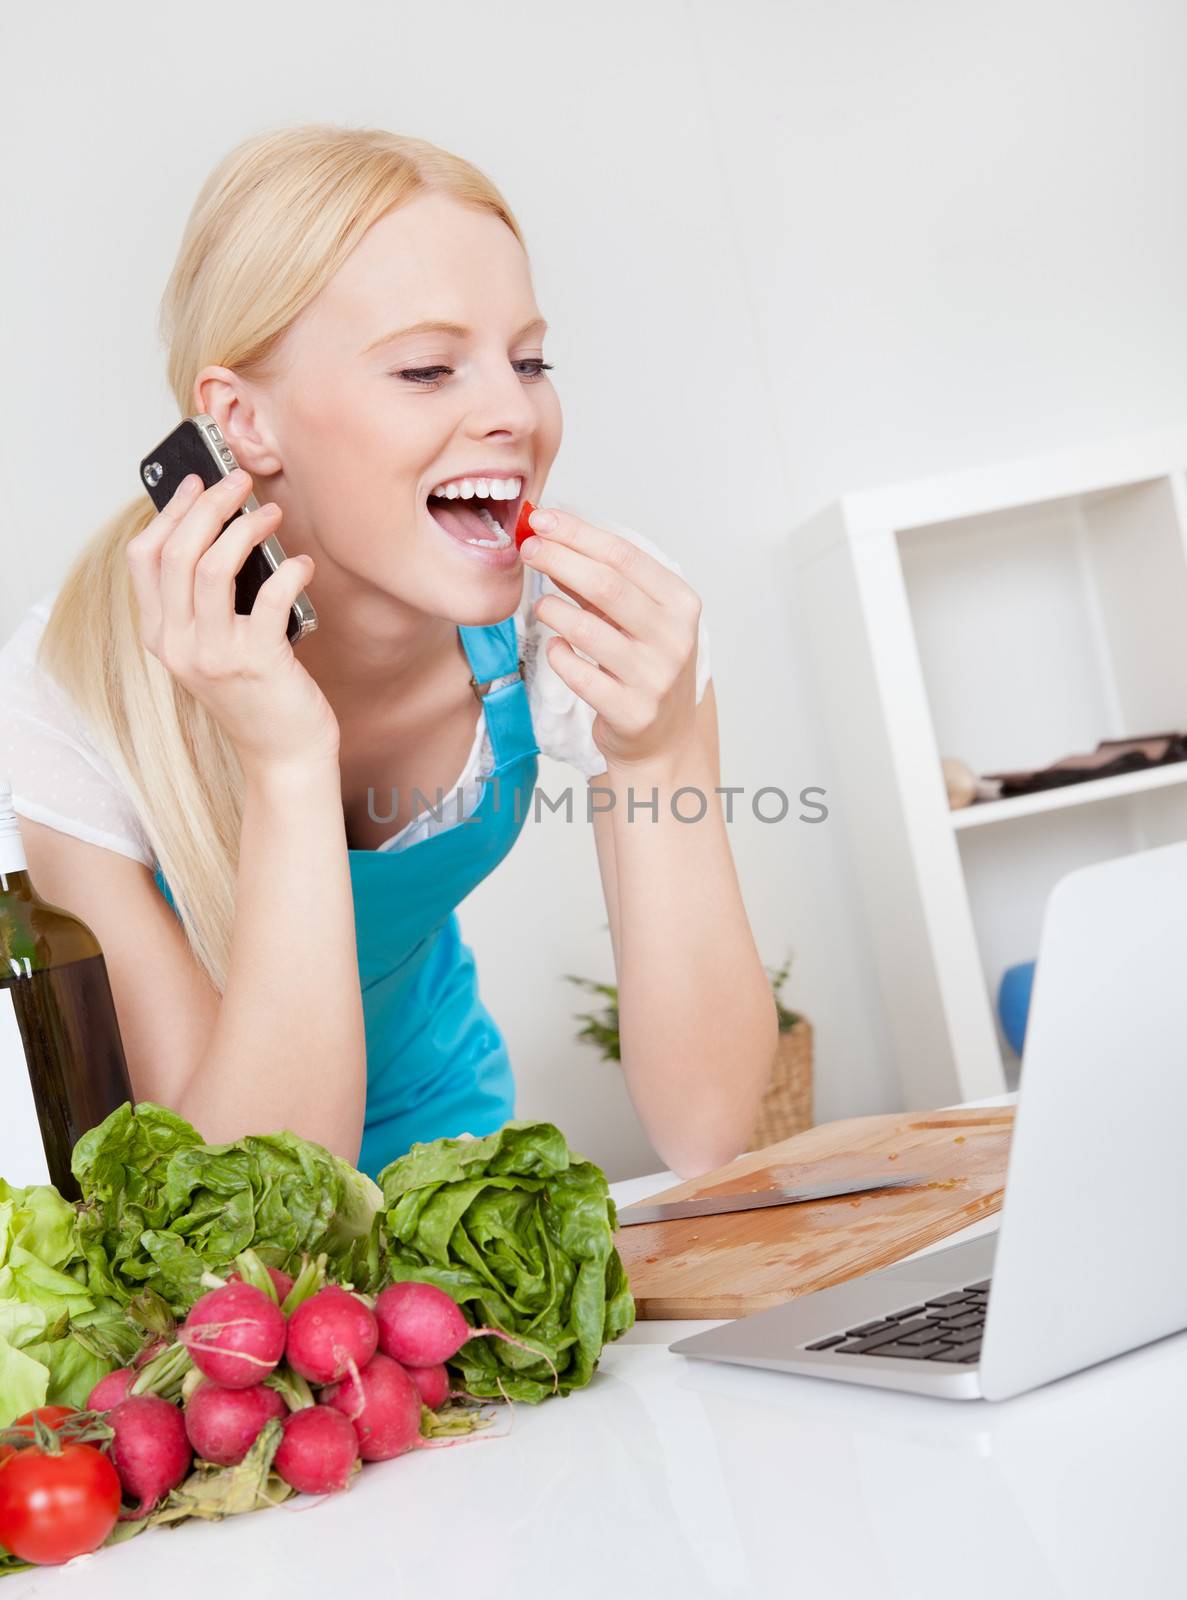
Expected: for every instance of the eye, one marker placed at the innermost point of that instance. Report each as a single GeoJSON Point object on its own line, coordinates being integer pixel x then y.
{"type": "Point", "coordinates": [426, 377]}
{"type": "Point", "coordinates": [423, 375]}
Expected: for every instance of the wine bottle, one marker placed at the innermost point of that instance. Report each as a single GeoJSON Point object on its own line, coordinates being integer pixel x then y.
{"type": "Point", "coordinates": [62, 1067]}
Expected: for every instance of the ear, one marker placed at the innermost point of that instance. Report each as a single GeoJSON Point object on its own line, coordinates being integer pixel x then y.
{"type": "Point", "coordinates": [242, 419]}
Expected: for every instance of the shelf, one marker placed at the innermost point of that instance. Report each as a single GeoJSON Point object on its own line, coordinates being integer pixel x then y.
{"type": "Point", "coordinates": [994, 618]}
{"type": "Point", "coordinates": [987, 812]}
{"type": "Point", "coordinates": [1046, 627]}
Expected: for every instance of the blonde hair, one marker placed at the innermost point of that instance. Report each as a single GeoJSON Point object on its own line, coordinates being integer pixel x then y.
{"type": "Point", "coordinates": [271, 225]}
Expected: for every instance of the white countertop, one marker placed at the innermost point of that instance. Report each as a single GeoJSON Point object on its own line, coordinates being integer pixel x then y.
{"type": "Point", "coordinates": [670, 1477]}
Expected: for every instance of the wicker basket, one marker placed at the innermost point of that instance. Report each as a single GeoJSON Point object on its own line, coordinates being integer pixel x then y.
{"type": "Point", "coordinates": [787, 1105]}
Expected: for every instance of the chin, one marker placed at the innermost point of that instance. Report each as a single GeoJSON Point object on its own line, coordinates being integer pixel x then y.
{"type": "Point", "coordinates": [489, 600]}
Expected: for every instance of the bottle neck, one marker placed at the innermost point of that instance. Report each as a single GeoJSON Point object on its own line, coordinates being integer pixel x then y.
{"type": "Point", "coordinates": [12, 849]}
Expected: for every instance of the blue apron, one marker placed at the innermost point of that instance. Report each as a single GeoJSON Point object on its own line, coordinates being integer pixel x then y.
{"type": "Point", "coordinates": [437, 1064]}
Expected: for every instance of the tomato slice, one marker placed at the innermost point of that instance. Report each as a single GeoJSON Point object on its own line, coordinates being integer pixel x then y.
{"type": "Point", "coordinates": [56, 1507]}
{"type": "Point", "coordinates": [523, 529]}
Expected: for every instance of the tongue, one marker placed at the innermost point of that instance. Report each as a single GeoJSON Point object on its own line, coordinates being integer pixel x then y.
{"type": "Point", "coordinates": [460, 521]}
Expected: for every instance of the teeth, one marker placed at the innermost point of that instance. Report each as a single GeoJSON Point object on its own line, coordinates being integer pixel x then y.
{"type": "Point", "coordinates": [500, 538]}
{"type": "Point", "coordinates": [484, 488]}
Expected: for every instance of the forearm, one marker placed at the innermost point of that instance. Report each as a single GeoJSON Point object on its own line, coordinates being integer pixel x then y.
{"type": "Point", "coordinates": [288, 1048]}
{"type": "Point", "coordinates": [697, 1020]}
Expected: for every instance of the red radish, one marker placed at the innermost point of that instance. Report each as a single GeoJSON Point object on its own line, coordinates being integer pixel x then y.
{"type": "Point", "coordinates": [433, 1383]}
{"type": "Point", "coordinates": [419, 1325]}
{"type": "Point", "coordinates": [150, 1352]}
{"type": "Point", "coordinates": [235, 1335]}
{"type": "Point", "coordinates": [329, 1331]}
{"type": "Point", "coordinates": [109, 1391]}
{"type": "Point", "coordinates": [318, 1451]}
{"type": "Point", "coordinates": [223, 1424]}
{"type": "Point", "coordinates": [281, 1282]}
{"type": "Point", "coordinates": [384, 1405]}
{"type": "Point", "coordinates": [150, 1450]}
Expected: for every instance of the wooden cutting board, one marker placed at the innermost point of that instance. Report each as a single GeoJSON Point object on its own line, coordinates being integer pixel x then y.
{"type": "Point", "coordinates": [744, 1261]}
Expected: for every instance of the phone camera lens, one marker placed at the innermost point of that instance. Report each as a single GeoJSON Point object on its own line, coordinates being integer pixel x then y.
{"type": "Point", "coordinates": [153, 473]}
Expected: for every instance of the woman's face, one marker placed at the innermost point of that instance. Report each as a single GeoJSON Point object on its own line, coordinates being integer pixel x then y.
{"type": "Point", "coordinates": [365, 421]}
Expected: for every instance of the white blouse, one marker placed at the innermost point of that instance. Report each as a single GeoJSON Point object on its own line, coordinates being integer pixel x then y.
{"type": "Point", "coordinates": [59, 778]}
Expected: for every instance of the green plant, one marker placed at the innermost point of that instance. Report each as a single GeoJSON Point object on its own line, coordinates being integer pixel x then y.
{"type": "Point", "coordinates": [787, 1019]}
{"type": "Point", "coordinates": [601, 1028]}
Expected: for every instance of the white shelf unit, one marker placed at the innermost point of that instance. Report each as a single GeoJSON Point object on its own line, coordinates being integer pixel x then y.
{"type": "Point", "coordinates": [1005, 617]}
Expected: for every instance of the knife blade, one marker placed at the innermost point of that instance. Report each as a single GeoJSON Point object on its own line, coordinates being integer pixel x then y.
{"type": "Point", "coordinates": [714, 1204]}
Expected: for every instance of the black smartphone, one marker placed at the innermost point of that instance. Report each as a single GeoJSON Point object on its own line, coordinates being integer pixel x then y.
{"type": "Point", "coordinates": [197, 445]}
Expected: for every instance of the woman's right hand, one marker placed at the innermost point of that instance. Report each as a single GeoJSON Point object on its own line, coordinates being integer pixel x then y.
{"type": "Point", "coordinates": [241, 668]}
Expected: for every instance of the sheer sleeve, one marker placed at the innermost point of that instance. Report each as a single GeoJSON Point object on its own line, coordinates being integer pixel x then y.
{"type": "Point", "coordinates": [58, 777]}
{"type": "Point", "coordinates": [562, 721]}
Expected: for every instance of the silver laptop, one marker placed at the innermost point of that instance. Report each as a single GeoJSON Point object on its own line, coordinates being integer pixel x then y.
{"type": "Point", "coordinates": [1090, 1256]}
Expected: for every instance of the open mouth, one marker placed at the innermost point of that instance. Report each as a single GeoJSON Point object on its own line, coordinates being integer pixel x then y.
{"type": "Point", "coordinates": [479, 521]}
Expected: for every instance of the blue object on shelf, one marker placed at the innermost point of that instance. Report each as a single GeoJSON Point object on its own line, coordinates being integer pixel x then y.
{"type": "Point", "coordinates": [1013, 1002]}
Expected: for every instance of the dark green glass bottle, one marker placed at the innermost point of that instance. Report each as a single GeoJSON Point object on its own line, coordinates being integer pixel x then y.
{"type": "Point", "coordinates": [62, 1067]}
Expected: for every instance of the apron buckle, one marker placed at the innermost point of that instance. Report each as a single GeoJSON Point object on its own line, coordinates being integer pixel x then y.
{"type": "Point", "coordinates": [481, 689]}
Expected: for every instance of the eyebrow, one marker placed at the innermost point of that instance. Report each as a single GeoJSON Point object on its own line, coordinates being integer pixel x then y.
{"type": "Point", "coordinates": [454, 328]}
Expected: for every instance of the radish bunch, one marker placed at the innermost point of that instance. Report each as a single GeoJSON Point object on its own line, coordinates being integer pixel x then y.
{"type": "Point", "coordinates": [347, 1381]}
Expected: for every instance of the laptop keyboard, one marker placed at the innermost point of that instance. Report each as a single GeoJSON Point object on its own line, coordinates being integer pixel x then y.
{"type": "Point", "coordinates": [946, 1328]}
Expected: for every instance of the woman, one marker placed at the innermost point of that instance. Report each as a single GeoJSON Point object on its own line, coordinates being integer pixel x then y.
{"type": "Point", "coordinates": [206, 797]}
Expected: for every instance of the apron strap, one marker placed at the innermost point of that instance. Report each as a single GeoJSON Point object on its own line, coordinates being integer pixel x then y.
{"type": "Point", "coordinates": [491, 651]}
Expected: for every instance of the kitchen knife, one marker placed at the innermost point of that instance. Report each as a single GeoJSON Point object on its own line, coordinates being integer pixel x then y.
{"type": "Point", "coordinates": [714, 1204]}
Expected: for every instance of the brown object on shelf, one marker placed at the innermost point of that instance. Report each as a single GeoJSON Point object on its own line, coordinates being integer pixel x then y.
{"type": "Point", "coordinates": [960, 781]}
{"type": "Point", "coordinates": [963, 785]}
{"type": "Point", "coordinates": [1110, 758]}
{"type": "Point", "coordinates": [744, 1261]}
{"type": "Point", "coordinates": [787, 1104]}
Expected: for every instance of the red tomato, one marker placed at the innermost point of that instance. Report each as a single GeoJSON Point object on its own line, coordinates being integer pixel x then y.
{"type": "Point", "coordinates": [52, 1416]}
{"type": "Point", "coordinates": [55, 1507]}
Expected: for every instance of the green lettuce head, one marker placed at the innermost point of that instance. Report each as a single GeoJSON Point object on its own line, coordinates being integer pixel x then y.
{"type": "Point", "coordinates": [160, 1207]}
{"type": "Point", "coordinates": [519, 1232]}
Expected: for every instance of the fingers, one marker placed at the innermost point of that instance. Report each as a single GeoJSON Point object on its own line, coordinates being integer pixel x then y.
{"type": "Point", "coordinates": [183, 566]}
{"type": "Point", "coordinates": [615, 700]}
{"type": "Point", "coordinates": [607, 590]}
{"type": "Point", "coordinates": [612, 649]}
{"type": "Point", "coordinates": [630, 562]}
{"type": "Point", "coordinates": [214, 575]}
{"type": "Point", "coordinates": [187, 541]}
{"type": "Point", "coordinates": [143, 553]}
{"type": "Point", "coordinates": [270, 609]}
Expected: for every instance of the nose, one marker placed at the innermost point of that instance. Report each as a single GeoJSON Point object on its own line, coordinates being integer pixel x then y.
{"type": "Point", "coordinates": [503, 404]}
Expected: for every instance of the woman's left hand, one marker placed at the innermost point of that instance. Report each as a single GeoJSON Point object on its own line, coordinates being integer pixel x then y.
{"type": "Point", "coordinates": [637, 619]}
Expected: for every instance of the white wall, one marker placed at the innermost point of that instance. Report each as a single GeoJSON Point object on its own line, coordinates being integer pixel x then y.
{"type": "Point", "coordinates": [786, 250]}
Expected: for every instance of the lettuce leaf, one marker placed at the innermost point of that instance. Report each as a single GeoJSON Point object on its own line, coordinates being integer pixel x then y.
{"type": "Point", "coordinates": [44, 1301]}
{"type": "Point", "coordinates": [160, 1207]}
{"type": "Point", "coordinates": [24, 1381]}
{"type": "Point", "coordinates": [519, 1231]}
